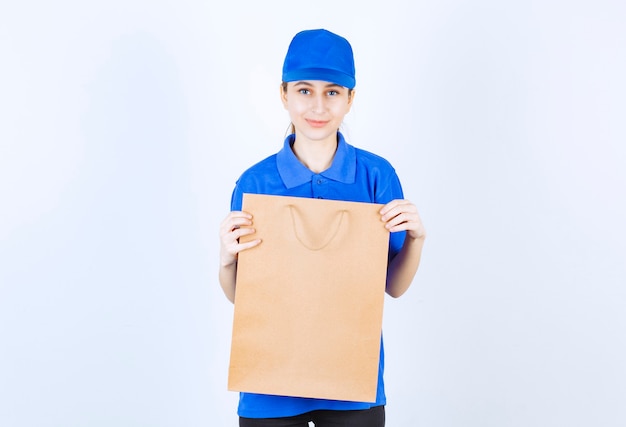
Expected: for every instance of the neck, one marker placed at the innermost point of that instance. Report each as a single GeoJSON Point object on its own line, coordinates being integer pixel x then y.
{"type": "Point", "coordinates": [315, 155]}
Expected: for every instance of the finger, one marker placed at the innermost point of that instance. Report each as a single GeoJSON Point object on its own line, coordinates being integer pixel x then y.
{"type": "Point", "coordinates": [230, 240]}
{"type": "Point", "coordinates": [235, 248]}
{"type": "Point", "coordinates": [402, 218]}
{"type": "Point", "coordinates": [398, 209]}
{"type": "Point", "coordinates": [395, 204]}
{"type": "Point", "coordinates": [245, 214]}
{"type": "Point", "coordinates": [240, 232]}
{"type": "Point", "coordinates": [230, 253]}
{"type": "Point", "coordinates": [412, 224]}
{"type": "Point", "coordinates": [391, 205]}
{"type": "Point", "coordinates": [236, 216]}
{"type": "Point", "coordinates": [234, 223]}
{"type": "Point", "coordinates": [248, 245]}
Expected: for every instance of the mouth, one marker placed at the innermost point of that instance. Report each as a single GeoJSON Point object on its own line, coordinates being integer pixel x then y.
{"type": "Point", "coordinates": [317, 123]}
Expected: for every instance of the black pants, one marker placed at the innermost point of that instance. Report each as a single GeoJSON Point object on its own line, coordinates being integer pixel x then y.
{"type": "Point", "coordinates": [373, 417]}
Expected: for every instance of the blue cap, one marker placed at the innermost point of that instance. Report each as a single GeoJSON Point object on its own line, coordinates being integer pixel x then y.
{"type": "Point", "coordinates": [319, 55]}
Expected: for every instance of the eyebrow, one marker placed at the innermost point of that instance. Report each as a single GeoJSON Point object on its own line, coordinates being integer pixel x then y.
{"type": "Point", "coordinates": [305, 83]}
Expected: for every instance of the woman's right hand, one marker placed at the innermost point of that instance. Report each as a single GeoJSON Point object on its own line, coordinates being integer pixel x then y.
{"type": "Point", "coordinates": [235, 225]}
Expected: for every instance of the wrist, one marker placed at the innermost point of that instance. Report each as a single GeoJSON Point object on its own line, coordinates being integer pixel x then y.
{"type": "Point", "coordinates": [411, 239]}
{"type": "Point", "coordinates": [228, 263]}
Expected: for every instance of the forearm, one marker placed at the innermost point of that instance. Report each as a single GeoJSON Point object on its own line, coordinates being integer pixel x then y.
{"type": "Point", "coordinates": [227, 277]}
{"type": "Point", "coordinates": [403, 267]}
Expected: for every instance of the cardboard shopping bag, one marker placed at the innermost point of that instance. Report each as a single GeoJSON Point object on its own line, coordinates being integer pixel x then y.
{"type": "Point", "coordinates": [309, 299]}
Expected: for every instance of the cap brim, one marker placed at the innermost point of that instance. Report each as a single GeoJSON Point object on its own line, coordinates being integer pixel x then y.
{"type": "Point", "coordinates": [332, 76]}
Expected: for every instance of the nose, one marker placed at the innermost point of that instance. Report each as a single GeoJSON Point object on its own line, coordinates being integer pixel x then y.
{"type": "Point", "coordinates": [319, 103]}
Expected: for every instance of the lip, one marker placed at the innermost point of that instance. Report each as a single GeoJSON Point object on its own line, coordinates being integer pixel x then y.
{"type": "Point", "coordinates": [317, 123]}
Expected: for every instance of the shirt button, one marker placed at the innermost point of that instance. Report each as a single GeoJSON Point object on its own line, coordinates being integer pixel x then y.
{"type": "Point", "coordinates": [319, 181]}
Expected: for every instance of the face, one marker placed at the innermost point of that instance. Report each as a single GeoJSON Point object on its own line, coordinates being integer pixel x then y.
{"type": "Point", "coordinates": [316, 108]}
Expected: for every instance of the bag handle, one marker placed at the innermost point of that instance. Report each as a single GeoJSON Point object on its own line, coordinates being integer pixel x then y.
{"type": "Point", "coordinates": [331, 233]}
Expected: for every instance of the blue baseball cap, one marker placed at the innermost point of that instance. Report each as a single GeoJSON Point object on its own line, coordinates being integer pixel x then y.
{"type": "Point", "coordinates": [320, 55]}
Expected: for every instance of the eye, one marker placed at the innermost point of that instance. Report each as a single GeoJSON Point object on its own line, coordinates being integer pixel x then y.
{"type": "Point", "coordinates": [304, 91]}
{"type": "Point", "coordinates": [333, 92]}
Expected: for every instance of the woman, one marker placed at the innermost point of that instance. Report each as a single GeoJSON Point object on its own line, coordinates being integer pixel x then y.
{"type": "Point", "coordinates": [316, 161]}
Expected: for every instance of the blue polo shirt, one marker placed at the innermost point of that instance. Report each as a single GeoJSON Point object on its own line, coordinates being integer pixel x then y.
{"type": "Point", "coordinates": [355, 175]}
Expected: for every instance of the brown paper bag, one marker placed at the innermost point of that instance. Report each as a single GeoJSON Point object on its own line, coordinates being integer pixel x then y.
{"type": "Point", "coordinates": [309, 300]}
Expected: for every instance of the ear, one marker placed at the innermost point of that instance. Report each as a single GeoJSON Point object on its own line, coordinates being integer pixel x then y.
{"type": "Point", "coordinates": [283, 96]}
{"type": "Point", "coordinates": [351, 99]}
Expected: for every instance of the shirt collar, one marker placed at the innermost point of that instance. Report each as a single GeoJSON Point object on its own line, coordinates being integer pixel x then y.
{"type": "Point", "coordinates": [294, 173]}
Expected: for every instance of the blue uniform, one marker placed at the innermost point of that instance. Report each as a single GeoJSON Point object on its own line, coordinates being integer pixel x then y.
{"type": "Point", "coordinates": [355, 175]}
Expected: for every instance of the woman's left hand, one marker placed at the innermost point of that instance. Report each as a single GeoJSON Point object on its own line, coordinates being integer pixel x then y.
{"type": "Point", "coordinates": [402, 215]}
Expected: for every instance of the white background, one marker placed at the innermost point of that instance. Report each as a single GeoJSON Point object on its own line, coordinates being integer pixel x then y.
{"type": "Point", "coordinates": [124, 125]}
